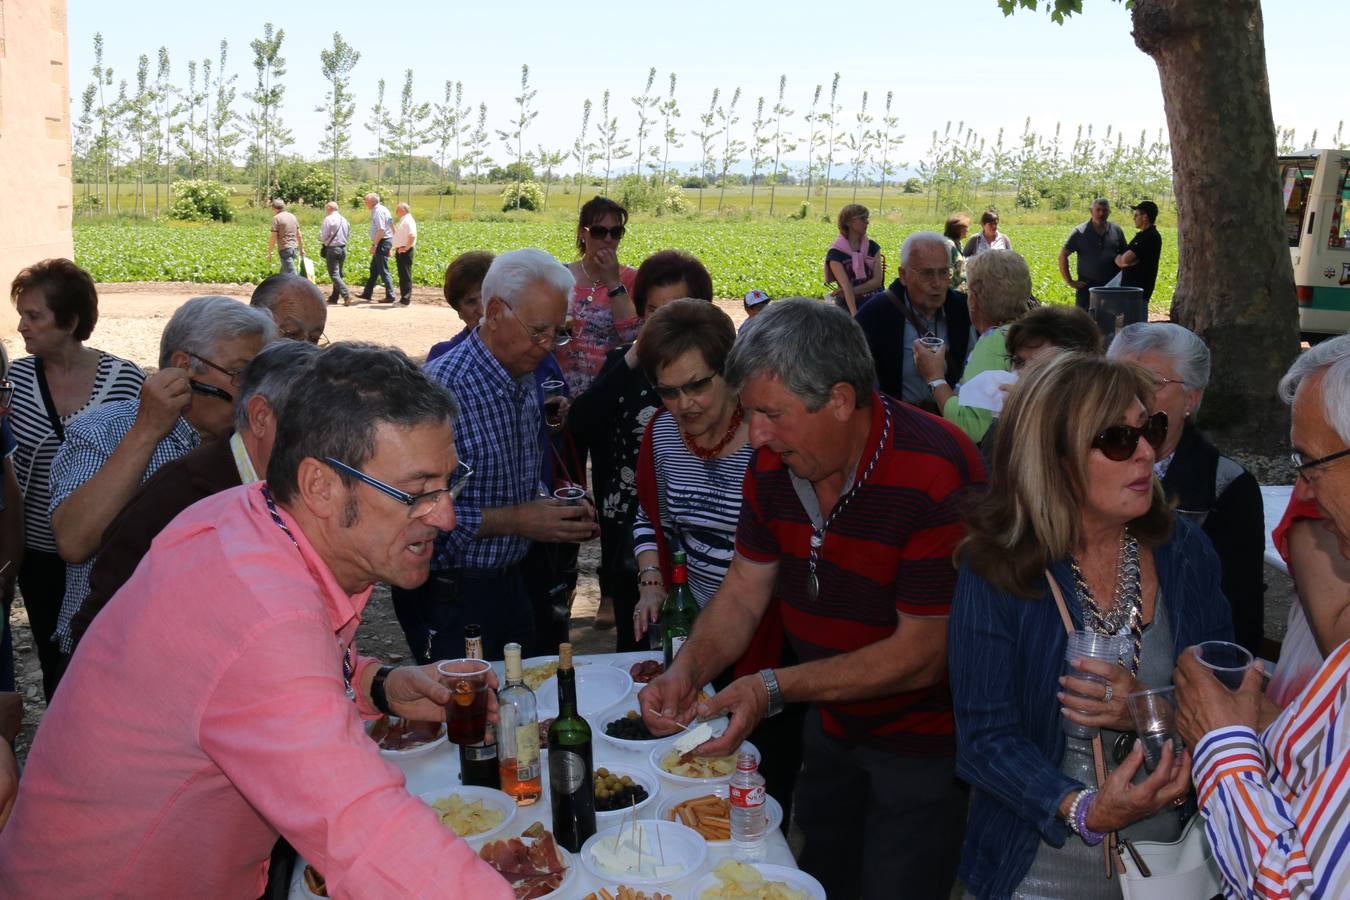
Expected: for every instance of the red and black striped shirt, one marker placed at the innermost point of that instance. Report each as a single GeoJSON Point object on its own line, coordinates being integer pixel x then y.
{"type": "Point", "coordinates": [888, 553]}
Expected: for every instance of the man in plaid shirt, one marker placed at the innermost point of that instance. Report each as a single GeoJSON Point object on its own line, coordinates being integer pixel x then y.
{"type": "Point", "coordinates": [476, 575]}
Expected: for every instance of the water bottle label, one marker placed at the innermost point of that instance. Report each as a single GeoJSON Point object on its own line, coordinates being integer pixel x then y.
{"type": "Point", "coordinates": [566, 770]}
{"type": "Point", "coordinates": [747, 797]}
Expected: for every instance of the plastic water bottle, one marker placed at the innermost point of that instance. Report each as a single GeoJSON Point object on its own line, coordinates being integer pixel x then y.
{"type": "Point", "coordinates": [747, 808]}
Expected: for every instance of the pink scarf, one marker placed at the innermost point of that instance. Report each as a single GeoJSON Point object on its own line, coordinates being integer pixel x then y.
{"type": "Point", "coordinates": [859, 257]}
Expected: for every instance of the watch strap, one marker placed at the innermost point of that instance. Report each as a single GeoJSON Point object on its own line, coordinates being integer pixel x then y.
{"type": "Point", "coordinates": [377, 695]}
{"type": "Point", "coordinates": [937, 383]}
{"type": "Point", "coordinates": [616, 291]}
{"type": "Point", "coordinates": [775, 695]}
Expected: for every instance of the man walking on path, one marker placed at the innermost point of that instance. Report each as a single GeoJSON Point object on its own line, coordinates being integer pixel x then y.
{"type": "Point", "coordinates": [405, 238]}
{"type": "Point", "coordinates": [285, 237]}
{"type": "Point", "coordinates": [333, 234]}
{"type": "Point", "coordinates": [1097, 242]}
{"type": "Point", "coordinates": [381, 240]}
{"type": "Point", "coordinates": [1139, 262]}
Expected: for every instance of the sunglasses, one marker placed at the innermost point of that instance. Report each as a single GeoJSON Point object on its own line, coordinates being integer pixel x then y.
{"type": "Point", "coordinates": [600, 232]}
{"type": "Point", "coordinates": [689, 389]}
{"type": "Point", "coordinates": [1118, 442]}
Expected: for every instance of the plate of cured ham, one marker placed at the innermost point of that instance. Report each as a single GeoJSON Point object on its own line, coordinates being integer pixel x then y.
{"type": "Point", "coordinates": [536, 867]}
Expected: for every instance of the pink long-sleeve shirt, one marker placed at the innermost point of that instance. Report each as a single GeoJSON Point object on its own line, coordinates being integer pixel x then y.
{"type": "Point", "coordinates": [204, 713]}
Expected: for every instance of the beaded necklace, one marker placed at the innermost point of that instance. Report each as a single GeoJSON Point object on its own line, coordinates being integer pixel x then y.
{"type": "Point", "coordinates": [818, 534]}
{"type": "Point", "coordinates": [1127, 607]}
{"type": "Point", "coordinates": [347, 670]}
{"type": "Point", "coordinates": [712, 452]}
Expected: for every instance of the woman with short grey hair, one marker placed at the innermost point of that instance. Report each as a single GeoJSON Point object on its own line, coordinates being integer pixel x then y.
{"type": "Point", "coordinates": [1207, 487]}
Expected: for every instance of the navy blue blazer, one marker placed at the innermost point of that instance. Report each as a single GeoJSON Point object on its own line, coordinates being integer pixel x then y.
{"type": "Point", "coordinates": [884, 324]}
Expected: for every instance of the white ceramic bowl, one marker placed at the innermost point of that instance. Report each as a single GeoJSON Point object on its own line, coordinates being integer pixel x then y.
{"type": "Point", "coordinates": [660, 750]}
{"type": "Point", "coordinates": [773, 812]}
{"type": "Point", "coordinates": [491, 797]}
{"type": "Point", "coordinates": [617, 711]}
{"type": "Point", "coordinates": [793, 878]}
{"type": "Point", "coordinates": [678, 846]}
{"type": "Point", "coordinates": [640, 775]}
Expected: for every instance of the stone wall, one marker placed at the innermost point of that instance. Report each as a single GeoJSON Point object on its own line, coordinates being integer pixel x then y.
{"type": "Point", "coordinates": [35, 177]}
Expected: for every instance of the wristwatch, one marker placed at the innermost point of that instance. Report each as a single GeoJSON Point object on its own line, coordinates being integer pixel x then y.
{"type": "Point", "coordinates": [377, 695]}
{"type": "Point", "coordinates": [775, 695]}
{"type": "Point", "coordinates": [937, 383]}
{"type": "Point", "coordinates": [616, 291]}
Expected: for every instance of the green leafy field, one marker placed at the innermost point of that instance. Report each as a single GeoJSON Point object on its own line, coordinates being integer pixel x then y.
{"type": "Point", "coordinates": [781, 257]}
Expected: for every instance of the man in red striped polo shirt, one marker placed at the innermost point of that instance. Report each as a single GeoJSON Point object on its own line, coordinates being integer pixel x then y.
{"type": "Point", "coordinates": [850, 517]}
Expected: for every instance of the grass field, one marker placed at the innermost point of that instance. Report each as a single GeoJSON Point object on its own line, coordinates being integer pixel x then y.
{"type": "Point", "coordinates": [783, 257]}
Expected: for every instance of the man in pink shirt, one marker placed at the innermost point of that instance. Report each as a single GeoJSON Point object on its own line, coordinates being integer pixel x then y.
{"type": "Point", "coordinates": [218, 701]}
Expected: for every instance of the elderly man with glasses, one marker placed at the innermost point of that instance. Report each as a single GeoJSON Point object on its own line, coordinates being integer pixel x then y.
{"type": "Point", "coordinates": [1275, 794]}
{"type": "Point", "coordinates": [296, 305]}
{"type": "Point", "coordinates": [919, 304]}
{"type": "Point", "coordinates": [477, 575]}
{"type": "Point", "coordinates": [219, 703]}
{"type": "Point", "coordinates": [110, 452]}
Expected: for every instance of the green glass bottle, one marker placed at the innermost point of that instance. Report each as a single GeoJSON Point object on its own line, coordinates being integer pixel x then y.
{"type": "Point", "coordinates": [571, 775]}
{"type": "Point", "coordinates": [679, 610]}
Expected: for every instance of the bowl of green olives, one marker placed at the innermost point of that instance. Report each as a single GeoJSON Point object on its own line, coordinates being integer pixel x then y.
{"type": "Point", "coordinates": [620, 791]}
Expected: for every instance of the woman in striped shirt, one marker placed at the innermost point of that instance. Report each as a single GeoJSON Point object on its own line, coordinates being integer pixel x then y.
{"type": "Point", "coordinates": [61, 380]}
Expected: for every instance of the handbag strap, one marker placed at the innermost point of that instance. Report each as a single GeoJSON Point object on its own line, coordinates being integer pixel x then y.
{"type": "Point", "coordinates": [1111, 845]}
{"type": "Point", "coordinates": [52, 416]}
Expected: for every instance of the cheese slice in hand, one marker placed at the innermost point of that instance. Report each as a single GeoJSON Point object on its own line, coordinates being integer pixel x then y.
{"type": "Point", "coordinates": [692, 738]}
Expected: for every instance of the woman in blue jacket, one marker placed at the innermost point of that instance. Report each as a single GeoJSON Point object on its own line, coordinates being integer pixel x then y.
{"type": "Point", "coordinates": [1072, 495]}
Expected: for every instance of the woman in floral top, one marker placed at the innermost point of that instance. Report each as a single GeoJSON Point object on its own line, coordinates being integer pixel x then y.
{"type": "Point", "coordinates": [601, 308]}
{"type": "Point", "coordinates": [611, 417]}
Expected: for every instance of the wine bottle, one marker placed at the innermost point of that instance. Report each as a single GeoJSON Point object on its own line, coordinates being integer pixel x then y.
{"type": "Point", "coordinates": [571, 776]}
{"type": "Point", "coordinates": [478, 762]}
{"type": "Point", "coordinates": [518, 734]}
{"type": "Point", "coordinates": [679, 610]}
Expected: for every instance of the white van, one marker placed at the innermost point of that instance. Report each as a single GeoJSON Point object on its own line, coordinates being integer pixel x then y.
{"type": "Point", "coordinates": [1316, 185]}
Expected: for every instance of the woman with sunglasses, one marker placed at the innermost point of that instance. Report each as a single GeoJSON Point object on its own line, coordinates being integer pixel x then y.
{"type": "Point", "coordinates": [611, 418]}
{"type": "Point", "coordinates": [601, 310]}
{"type": "Point", "coordinates": [1205, 486]}
{"type": "Point", "coordinates": [852, 261]}
{"type": "Point", "coordinates": [1073, 508]}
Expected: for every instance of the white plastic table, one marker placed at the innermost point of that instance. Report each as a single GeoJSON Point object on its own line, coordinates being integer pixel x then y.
{"type": "Point", "coordinates": [440, 769]}
{"type": "Point", "coordinates": [1274, 500]}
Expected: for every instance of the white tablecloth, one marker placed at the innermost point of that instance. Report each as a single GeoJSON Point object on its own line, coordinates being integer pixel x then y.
{"type": "Point", "coordinates": [440, 769]}
{"type": "Point", "coordinates": [1274, 500]}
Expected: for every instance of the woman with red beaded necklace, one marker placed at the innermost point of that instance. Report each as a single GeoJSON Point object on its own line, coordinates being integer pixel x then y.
{"type": "Point", "coordinates": [693, 455]}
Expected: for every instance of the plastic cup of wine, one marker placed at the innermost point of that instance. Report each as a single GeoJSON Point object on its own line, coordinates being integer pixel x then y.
{"type": "Point", "coordinates": [1227, 661]}
{"type": "Point", "coordinates": [1088, 645]}
{"type": "Point", "coordinates": [553, 397]}
{"type": "Point", "coordinates": [570, 494]}
{"type": "Point", "coordinates": [466, 713]}
{"type": "Point", "coordinates": [1154, 712]}
{"type": "Point", "coordinates": [932, 343]}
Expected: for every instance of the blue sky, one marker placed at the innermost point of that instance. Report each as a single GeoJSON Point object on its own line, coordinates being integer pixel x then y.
{"type": "Point", "coordinates": [959, 60]}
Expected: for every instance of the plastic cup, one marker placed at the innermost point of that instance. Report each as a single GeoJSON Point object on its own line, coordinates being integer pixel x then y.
{"type": "Point", "coordinates": [570, 494]}
{"type": "Point", "coordinates": [932, 343]}
{"type": "Point", "coordinates": [1155, 712]}
{"type": "Point", "coordinates": [1227, 661]}
{"type": "Point", "coordinates": [1089, 645]}
{"type": "Point", "coordinates": [466, 713]}
{"type": "Point", "coordinates": [553, 397]}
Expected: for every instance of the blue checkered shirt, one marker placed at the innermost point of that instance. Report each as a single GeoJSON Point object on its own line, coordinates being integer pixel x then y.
{"type": "Point", "coordinates": [497, 433]}
{"type": "Point", "coordinates": [90, 441]}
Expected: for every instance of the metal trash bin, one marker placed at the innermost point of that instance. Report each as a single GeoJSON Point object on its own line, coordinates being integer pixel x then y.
{"type": "Point", "coordinates": [1112, 308]}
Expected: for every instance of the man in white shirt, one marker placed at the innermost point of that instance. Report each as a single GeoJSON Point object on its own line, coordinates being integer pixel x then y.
{"type": "Point", "coordinates": [405, 238]}
{"type": "Point", "coordinates": [333, 234]}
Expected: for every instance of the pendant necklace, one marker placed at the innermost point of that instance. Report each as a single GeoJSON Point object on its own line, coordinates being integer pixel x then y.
{"type": "Point", "coordinates": [818, 534]}
{"type": "Point", "coordinates": [595, 282]}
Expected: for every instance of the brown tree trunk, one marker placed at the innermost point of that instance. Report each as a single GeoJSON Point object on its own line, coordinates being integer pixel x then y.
{"type": "Point", "coordinates": [1235, 285]}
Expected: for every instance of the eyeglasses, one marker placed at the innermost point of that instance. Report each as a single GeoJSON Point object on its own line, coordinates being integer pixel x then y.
{"type": "Point", "coordinates": [235, 375]}
{"type": "Point", "coordinates": [298, 335]}
{"type": "Point", "coordinates": [689, 388]}
{"type": "Point", "coordinates": [1160, 382]}
{"type": "Point", "coordinates": [943, 274]}
{"type": "Point", "coordinates": [419, 505]}
{"type": "Point", "coordinates": [542, 337]}
{"type": "Point", "coordinates": [1305, 468]}
{"type": "Point", "coordinates": [1119, 442]}
{"type": "Point", "coordinates": [600, 232]}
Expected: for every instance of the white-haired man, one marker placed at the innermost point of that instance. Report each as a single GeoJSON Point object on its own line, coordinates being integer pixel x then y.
{"type": "Point", "coordinates": [333, 235]}
{"type": "Point", "coordinates": [476, 574]}
{"type": "Point", "coordinates": [381, 241]}
{"type": "Point", "coordinates": [405, 238]}
{"type": "Point", "coordinates": [1276, 801]}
